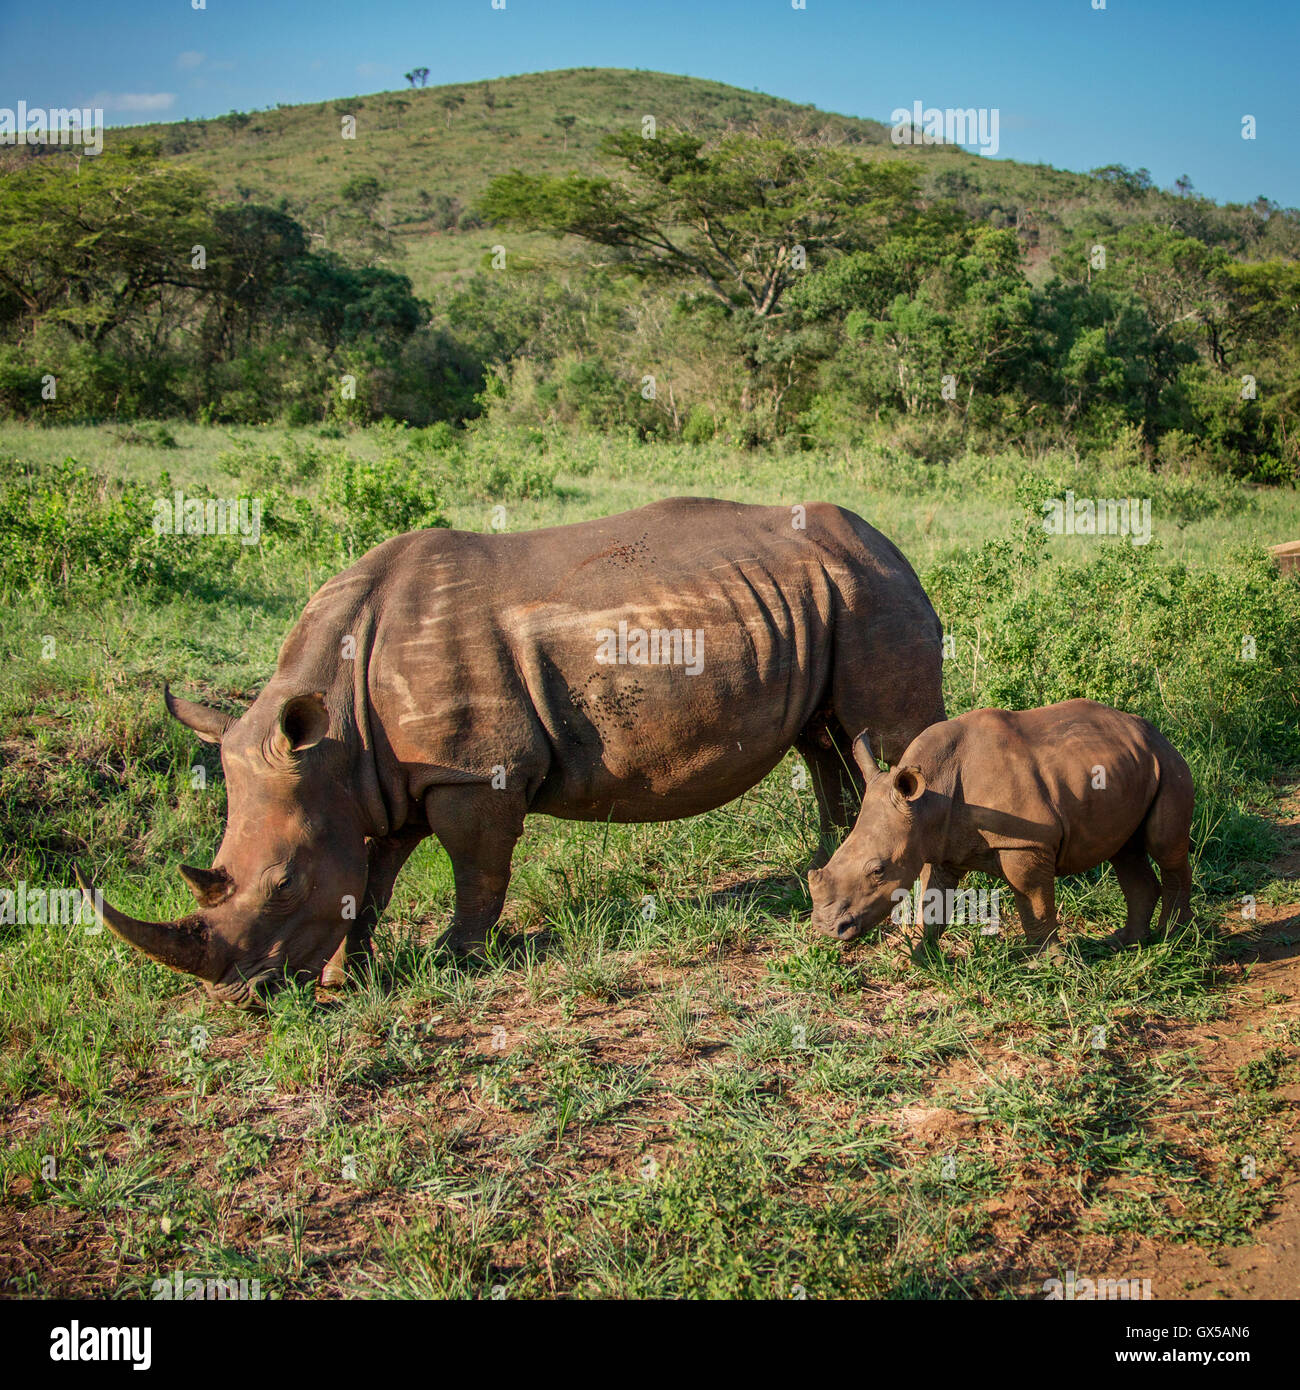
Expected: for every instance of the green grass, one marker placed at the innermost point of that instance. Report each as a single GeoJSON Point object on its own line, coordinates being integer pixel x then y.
{"type": "Point", "coordinates": [931, 513]}
{"type": "Point", "coordinates": [695, 1099]}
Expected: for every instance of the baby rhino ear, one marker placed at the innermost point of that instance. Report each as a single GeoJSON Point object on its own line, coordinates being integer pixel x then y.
{"type": "Point", "coordinates": [906, 786]}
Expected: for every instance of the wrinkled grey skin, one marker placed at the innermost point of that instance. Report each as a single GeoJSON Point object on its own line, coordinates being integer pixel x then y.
{"type": "Point", "coordinates": [1012, 794]}
{"type": "Point", "coordinates": [447, 683]}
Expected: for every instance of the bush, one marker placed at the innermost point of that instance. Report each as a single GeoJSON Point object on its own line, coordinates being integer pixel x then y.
{"type": "Point", "coordinates": [369, 502]}
{"type": "Point", "coordinates": [700, 425]}
{"type": "Point", "coordinates": [74, 530]}
{"type": "Point", "coordinates": [500, 464]}
{"type": "Point", "coordinates": [1208, 656]}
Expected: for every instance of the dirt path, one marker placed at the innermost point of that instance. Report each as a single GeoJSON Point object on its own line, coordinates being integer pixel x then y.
{"type": "Point", "coordinates": [1266, 1006]}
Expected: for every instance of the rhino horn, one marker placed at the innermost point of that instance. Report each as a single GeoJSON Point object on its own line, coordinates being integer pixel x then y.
{"type": "Point", "coordinates": [209, 724]}
{"type": "Point", "coordinates": [181, 945]}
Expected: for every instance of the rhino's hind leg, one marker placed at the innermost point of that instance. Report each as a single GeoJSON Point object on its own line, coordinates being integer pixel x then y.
{"type": "Point", "coordinates": [478, 827]}
{"type": "Point", "coordinates": [1167, 836]}
{"type": "Point", "coordinates": [1175, 893]}
{"type": "Point", "coordinates": [1141, 888]}
{"type": "Point", "coordinates": [837, 784]}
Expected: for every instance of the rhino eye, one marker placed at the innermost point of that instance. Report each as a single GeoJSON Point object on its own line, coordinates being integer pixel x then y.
{"type": "Point", "coordinates": [279, 882]}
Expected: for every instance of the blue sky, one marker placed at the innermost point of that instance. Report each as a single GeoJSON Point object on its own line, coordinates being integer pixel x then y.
{"type": "Point", "coordinates": [1157, 83]}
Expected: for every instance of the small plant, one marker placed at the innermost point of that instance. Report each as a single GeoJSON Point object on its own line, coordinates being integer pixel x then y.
{"type": "Point", "coordinates": [680, 1021]}
{"type": "Point", "coordinates": [247, 1151]}
{"type": "Point", "coordinates": [1264, 1073]}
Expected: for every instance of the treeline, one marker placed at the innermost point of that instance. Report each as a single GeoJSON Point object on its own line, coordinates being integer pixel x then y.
{"type": "Point", "coordinates": [820, 297]}
{"type": "Point", "coordinates": [761, 288]}
{"type": "Point", "coordinates": [126, 291]}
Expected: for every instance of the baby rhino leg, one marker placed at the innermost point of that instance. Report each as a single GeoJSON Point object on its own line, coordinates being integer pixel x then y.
{"type": "Point", "coordinates": [936, 883]}
{"type": "Point", "coordinates": [1033, 885]}
{"type": "Point", "coordinates": [1168, 841]}
{"type": "Point", "coordinates": [1141, 889]}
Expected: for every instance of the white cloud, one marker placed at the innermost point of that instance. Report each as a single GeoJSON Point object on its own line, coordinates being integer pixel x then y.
{"type": "Point", "coordinates": [190, 59]}
{"type": "Point", "coordinates": [370, 69]}
{"type": "Point", "coordinates": [134, 101]}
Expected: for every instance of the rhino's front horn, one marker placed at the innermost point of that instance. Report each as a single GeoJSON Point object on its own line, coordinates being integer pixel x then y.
{"type": "Point", "coordinates": [181, 945]}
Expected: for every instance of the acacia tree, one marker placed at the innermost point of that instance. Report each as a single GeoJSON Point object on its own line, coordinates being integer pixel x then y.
{"type": "Point", "coordinates": [732, 219]}
{"type": "Point", "coordinates": [92, 243]}
{"type": "Point", "coordinates": [566, 124]}
{"type": "Point", "coordinates": [740, 222]}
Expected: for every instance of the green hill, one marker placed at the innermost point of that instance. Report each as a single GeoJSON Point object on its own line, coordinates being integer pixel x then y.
{"type": "Point", "coordinates": [982, 301]}
{"type": "Point", "coordinates": [433, 151]}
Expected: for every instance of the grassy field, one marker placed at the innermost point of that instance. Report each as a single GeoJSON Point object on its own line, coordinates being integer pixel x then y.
{"type": "Point", "coordinates": [659, 1083]}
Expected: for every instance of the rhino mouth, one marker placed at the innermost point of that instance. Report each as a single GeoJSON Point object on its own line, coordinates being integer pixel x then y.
{"type": "Point", "coordinates": [844, 928]}
{"type": "Point", "coordinates": [249, 988]}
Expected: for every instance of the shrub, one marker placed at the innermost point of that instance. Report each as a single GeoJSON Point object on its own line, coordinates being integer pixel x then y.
{"type": "Point", "coordinates": [1207, 655]}
{"type": "Point", "coordinates": [700, 425]}
{"type": "Point", "coordinates": [74, 530]}
{"type": "Point", "coordinates": [369, 502]}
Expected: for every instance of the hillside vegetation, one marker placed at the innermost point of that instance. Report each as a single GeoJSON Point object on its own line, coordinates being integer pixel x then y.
{"type": "Point", "coordinates": [535, 248]}
{"type": "Point", "coordinates": [434, 151]}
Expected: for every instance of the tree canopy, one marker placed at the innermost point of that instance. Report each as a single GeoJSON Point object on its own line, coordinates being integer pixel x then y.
{"type": "Point", "coordinates": [742, 219]}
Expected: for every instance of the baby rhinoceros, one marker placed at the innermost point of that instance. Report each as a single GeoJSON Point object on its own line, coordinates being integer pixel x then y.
{"type": "Point", "coordinates": [1025, 796]}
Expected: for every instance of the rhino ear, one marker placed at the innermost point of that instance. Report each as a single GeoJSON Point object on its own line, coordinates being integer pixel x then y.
{"type": "Point", "coordinates": [907, 785]}
{"type": "Point", "coordinates": [304, 721]}
{"type": "Point", "coordinates": [209, 724]}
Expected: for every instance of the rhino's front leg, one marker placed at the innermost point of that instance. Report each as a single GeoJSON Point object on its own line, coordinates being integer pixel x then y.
{"type": "Point", "coordinates": [1033, 885]}
{"type": "Point", "coordinates": [837, 784]}
{"type": "Point", "coordinates": [933, 904]}
{"type": "Point", "coordinates": [478, 827]}
{"type": "Point", "coordinates": [387, 855]}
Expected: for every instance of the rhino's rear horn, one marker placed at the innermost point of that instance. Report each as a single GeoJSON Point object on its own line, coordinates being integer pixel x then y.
{"type": "Point", "coordinates": [209, 724]}
{"type": "Point", "coordinates": [181, 945]}
{"type": "Point", "coordinates": [209, 886]}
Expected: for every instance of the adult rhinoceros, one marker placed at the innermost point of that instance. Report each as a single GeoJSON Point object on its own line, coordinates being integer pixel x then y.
{"type": "Point", "coordinates": [643, 667]}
